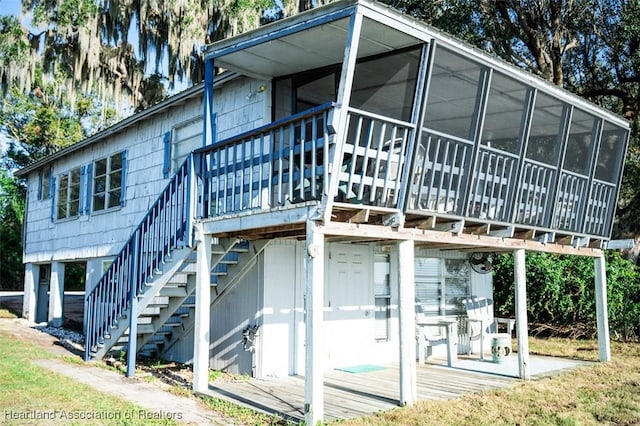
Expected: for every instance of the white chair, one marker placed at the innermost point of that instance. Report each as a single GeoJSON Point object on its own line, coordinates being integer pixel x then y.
{"type": "Point", "coordinates": [481, 323]}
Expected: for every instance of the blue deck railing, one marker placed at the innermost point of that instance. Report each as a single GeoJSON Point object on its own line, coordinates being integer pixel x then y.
{"type": "Point", "coordinates": [166, 227]}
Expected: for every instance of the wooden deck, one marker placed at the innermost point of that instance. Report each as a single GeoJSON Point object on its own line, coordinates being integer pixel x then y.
{"type": "Point", "coordinates": [349, 395]}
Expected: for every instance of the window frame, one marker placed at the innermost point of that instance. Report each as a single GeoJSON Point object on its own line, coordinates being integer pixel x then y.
{"type": "Point", "coordinates": [45, 183]}
{"type": "Point", "coordinates": [68, 200]}
{"type": "Point", "coordinates": [108, 188]}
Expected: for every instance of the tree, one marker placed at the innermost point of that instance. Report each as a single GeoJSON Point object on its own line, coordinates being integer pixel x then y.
{"type": "Point", "coordinates": [590, 47]}
{"type": "Point", "coordinates": [561, 294]}
{"type": "Point", "coordinates": [118, 49]}
{"type": "Point", "coordinates": [11, 214]}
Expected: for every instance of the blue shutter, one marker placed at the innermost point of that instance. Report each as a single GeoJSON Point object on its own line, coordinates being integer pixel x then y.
{"type": "Point", "coordinates": [40, 176]}
{"type": "Point", "coordinates": [123, 187]}
{"type": "Point", "coordinates": [166, 168]}
{"type": "Point", "coordinates": [52, 180]}
{"type": "Point", "coordinates": [82, 201]}
{"type": "Point", "coordinates": [88, 189]}
{"type": "Point", "coordinates": [53, 198]}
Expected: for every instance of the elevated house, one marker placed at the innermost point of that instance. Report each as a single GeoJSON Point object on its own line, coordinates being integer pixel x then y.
{"type": "Point", "coordinates": [292, 213]}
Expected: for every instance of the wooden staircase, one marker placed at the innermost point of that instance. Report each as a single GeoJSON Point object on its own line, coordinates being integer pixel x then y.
{"type": "Point", "coordinates": [150, 285]}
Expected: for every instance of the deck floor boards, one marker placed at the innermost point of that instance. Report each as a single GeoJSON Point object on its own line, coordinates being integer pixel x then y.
{"type": "Point", "coordinates": [349, 395]}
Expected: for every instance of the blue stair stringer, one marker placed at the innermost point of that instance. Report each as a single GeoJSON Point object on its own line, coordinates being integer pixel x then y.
{"type": "Point", "coordinates": [149, 259]}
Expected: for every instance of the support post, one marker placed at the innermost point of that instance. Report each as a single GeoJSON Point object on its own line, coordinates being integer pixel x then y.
{"type": "Point", "coordinates": [56, 294]}
{"type": "Point", "coordinates": [132, 344]}
{"type": "Point", "coordinates": [202, 327]}
{"type": "Point", "coordinates": [30, 287]}
{"type": "Point", "coordinates": [519, 272]}
{"type": "Point", "coordinates": [314, 328]}
{"type": "Point", "coordinates": [407, 314]}
{"type": "Point", "coordinates": [604, 346]}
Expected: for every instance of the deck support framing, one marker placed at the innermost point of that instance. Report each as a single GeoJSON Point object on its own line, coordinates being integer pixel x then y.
{"type": "Point", "coordinates": [520, 278]}
{"type": "Point", "coordinates": [314, 327]}
{"type": "Point", "coordinates": [604, 345]}
{"type": "Point", "coordinates": [407, 319]}
{"type": "Point", "coordinates": [202, 331]}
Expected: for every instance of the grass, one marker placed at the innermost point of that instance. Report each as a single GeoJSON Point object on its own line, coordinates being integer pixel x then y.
{"type": "Point", "coordinates": [4, 313]}
{"type": "Point", "coordinates": [33, 395]}
{"type": "Point", "coordinates": [605, 393]}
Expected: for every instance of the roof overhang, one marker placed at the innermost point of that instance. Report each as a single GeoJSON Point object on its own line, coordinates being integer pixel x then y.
{"type": "Point", "coordinates": [317, 38]}
{"type": "Point", "coordinates": [313, 39]}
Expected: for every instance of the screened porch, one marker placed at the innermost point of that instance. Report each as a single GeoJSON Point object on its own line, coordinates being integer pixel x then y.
{"type": "Point", "coordinates": [389, 123]}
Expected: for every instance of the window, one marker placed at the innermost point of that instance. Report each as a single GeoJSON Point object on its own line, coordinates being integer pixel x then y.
{"type": "Point", "coordinates": [504, 115]}
{"type": "Point", "coordinates": [580, 143]}
{"type": "Point", "coordinates": [68, 203]}
{"type": "Point", "coordinates": [108, 182]}
{"type": "Point", "coordinates": [610, 154]}
{"type": "Point", "coordinates": [184, 138]}
{"type": "Point", "coordinates": [382, 292]}
{"type": "Point", "coordinates": [440, 285]}
{"type": "Point", "coordinates": [453, 92]}
{"type": "Point", "coordinates": [546, 126]}
{"type": "Point", "coordinates": [386, 84]}
{"type": "Point", "coordinates": [44, 184]}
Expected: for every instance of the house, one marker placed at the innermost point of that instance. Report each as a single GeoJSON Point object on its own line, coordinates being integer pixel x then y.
{"type": "Point", "coordinates": [292, 213]}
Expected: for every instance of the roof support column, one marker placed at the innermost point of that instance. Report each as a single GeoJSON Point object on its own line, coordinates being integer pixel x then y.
{"type": "Point", "coordinates": [604, 348]}
{"type": "Point", "coordinates": [31, 272]}
{"type": "Point", "coordinates": [520, 277]}
{"type": "Point", "coordinates": [340, 121]}
{"type": "Point", "coordinates": [56, 294]}
{"type": "Point", "coordinates": [314, 327]}
{"type": "Point", "coordinates": [202, 327]}
{"type": "Point", "coordinates": [407, 314]}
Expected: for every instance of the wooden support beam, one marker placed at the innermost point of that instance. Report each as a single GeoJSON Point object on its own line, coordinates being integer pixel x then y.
{"type": "Point", "coordinates": [361, 216]}
{"type": "Point", "coordinates": [505, 232]}
{"type": "Point", "coordinates": [407, 318]}
{"type": "Point", "coordinates": [476, 242]}
{"type": "Point", "coordinates": [202, 326]}
{"type": "Point", "coordinates": [524, 234]}
{"type": "Point", "coordinates": [604, 348]}
{"type": "Point", "coordinates": [314, 327]}
{"type": "Point", "coordinates": [519, 272]}
{"type": "Point", "coordinates": [479, 229]}
{"type": "Point", "coordinates": [456, 227]}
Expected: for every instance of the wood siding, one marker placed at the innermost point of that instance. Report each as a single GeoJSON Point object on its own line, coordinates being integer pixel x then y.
{"type": "Point", "coordinates": [102, 234]}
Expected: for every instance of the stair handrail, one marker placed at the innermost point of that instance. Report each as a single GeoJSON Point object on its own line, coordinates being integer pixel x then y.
{"type": "Point", "coordinates": [167, 225]}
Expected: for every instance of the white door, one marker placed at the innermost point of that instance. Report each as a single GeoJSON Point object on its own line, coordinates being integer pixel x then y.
{"type": "Point", "coordinates": [349, 305]}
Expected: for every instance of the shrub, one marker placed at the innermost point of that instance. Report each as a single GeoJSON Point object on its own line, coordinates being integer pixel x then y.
{"type": "Point", "coordinates": [561, 293]}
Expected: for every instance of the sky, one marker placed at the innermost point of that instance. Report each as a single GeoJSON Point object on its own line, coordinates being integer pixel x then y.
{"type": "Point", "coordinates": [10, 7]}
